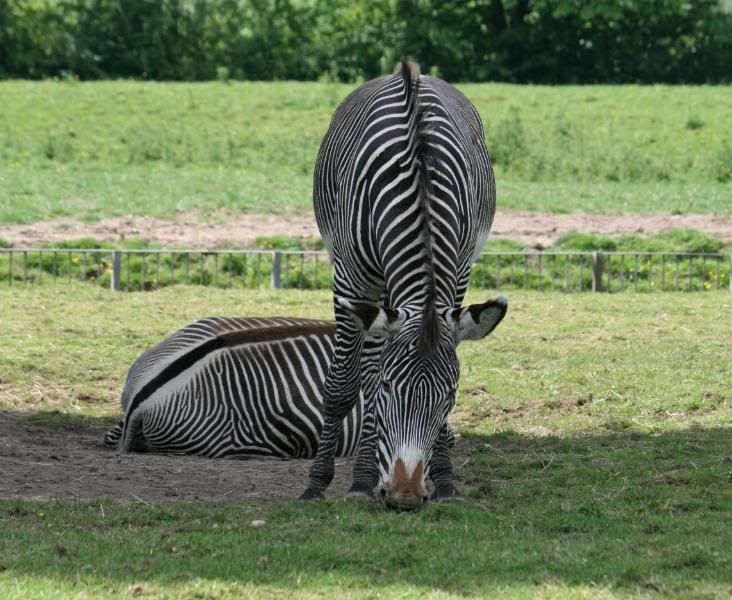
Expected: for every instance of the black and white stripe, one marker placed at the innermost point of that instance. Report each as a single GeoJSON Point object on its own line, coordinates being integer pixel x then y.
{"type": "Point", "coordinates": [404, 197]}
{"type": "Point", "coordinates": [234, 387]}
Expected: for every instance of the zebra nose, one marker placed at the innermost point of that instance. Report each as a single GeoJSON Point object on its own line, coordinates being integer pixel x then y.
{"type": "Point", "coordinates": [414, 503]}
{"type": "Point", "coordinates": [404, 501]}
{"type": "Point", "coordinates": [404, 491]}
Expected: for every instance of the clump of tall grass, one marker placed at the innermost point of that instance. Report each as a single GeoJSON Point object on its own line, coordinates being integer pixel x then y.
{"type": "Point", "coordinates": [59, 146]}
{"type": "Point", "coordinates": [724, 162]}
{"type": "Point", "coordinates": [675, 240]}
{"type": "Point", "coordinates": [508, 144]}
{"type": "Point", "coordinates": [694, 122]}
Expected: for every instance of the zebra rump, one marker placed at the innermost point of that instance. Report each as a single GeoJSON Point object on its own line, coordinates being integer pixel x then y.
{"type": "Point", "coordinates": [234, 387]}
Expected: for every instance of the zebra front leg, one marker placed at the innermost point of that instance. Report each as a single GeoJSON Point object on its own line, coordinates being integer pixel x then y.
{"type": "Point", "coordinates": [441, 465]}
{"type": "Point", "coordinates": [366, 469]}
{"type": "Point", "coordinates": [441, 469]}
{"type": "Point", "coordinates": [341, 392]}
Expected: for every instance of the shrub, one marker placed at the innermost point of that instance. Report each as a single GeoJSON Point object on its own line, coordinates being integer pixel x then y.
{"type": "Point", "coordinates": [585, 242]}
{"type": "Point", "coordinates": [558, 41]}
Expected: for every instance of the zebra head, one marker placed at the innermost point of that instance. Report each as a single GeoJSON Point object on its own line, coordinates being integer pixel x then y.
{"type": "Point", "coordinates": [417, 386]}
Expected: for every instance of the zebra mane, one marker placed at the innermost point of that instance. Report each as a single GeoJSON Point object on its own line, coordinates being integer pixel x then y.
{"type": "Point", "coordinates": [426, 158]}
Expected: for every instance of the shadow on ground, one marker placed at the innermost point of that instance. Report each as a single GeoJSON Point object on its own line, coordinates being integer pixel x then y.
{"type": "Point", "coordinates": [53, 455]}
{"type": "Point", "coordinates": [617, 510]}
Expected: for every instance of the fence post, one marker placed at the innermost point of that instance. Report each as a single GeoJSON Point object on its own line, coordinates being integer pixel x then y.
{"type": "Point", "coordinates": [597, 268]}
{"type": "Point", "coordinates": [276, 264]}
{"type": "Point", "coordinates": [116, 283]}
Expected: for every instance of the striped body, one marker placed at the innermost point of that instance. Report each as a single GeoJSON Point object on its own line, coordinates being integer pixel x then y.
{"type": "Point", "coordinates": [404, 198]}
{"type": "Point", "coordinates": [233, 387]}
{"type": "Point", "coordinates": [367, 197]}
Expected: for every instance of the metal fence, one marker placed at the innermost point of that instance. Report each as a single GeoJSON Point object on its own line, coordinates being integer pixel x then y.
{"type": "Point", "coordinates": [149, 269]}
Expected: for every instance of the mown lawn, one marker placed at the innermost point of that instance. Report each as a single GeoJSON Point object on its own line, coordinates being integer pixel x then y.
{"type": "Point", "coordinates": [108, 148]}
{"type": "Point", "coordinates": [594, 448]}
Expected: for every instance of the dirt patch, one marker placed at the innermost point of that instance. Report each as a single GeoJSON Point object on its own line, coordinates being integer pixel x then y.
{"type": "Point", "coordinates": [39, 463]}
{"type": "Point", "coordinates": [541, 230]}
{"type": "Point", "coordinates": [190, 230]}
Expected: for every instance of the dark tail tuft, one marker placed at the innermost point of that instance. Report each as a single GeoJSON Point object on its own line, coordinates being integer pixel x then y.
{"type": "Point", "coordinates": [113, 436]}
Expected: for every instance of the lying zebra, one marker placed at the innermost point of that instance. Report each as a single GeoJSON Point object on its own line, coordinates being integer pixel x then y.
{"type": "Point", "coordinates": [223, 386]}
{"type": "Point", "coordinates": [246, 387]}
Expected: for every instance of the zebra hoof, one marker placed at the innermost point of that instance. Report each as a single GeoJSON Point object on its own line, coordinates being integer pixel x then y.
{"type": "Point", "coordinates": [311, 494]}
{"type": "Point", "coordinates": [447, 493]}
{"type": "Point", "coordinates": [360, 494]}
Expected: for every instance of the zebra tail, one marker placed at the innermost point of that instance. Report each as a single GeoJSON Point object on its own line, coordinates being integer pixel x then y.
{"type": "Point", "coordinates": [113, 436]}
{"type": "Point", "coordinates": [426, 158]}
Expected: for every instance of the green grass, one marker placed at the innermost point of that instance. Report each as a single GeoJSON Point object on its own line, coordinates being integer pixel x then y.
{"type": "Point", "coordinates": [109, 148]}
{"type": "Point", "coordinates": [600, 538]}
{"type": "Point", "coordinates": [90, 193]}
{"type": "Point", "coordinates": [634, 355]}
{"type": "Point", "coordinates": [595, 450]}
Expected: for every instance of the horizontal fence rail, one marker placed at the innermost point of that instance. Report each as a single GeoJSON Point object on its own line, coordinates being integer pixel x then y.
{"type": "Point", "coordinates": [150, 269]}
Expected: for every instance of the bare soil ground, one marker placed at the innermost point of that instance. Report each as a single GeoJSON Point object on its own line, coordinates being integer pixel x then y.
{"type": "Point", "coordinates": [39, 463]}
{"type": "Point", "coordinates": [188, 230]}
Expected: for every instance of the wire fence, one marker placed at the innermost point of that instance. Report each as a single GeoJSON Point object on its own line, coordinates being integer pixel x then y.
{"type": "Point", "coordinates": [150, 269]}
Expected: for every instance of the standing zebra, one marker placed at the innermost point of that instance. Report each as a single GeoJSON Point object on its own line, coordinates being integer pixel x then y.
{"type": "Point", "coordinates": [404, 198]}
{"type": "Point", "coordinates": [233, 387]}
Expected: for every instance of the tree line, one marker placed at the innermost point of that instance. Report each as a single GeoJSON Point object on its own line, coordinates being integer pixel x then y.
{"type": "Point", "coordinates": [537, 41]}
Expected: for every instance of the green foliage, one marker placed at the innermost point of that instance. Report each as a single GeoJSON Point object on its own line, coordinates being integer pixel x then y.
{"type": "Point", "coordinates": [675, 240]}
{"type": "Point", "coordinates": [151, 270]}
{"type": "Point", "coordinates": [287, 242]}
{"type": "Point", "coordinates": [636, 270]}
{"type": "Point", "coordinates": [91, 262]}
{"type": "Point", "coordinates": [626, 272]}
{"type": "Point", "coordinates": [502, 245]}
{"type": "Point", "coordinates": [550, 41]}
{"type": "Point", "coordinates": [585, 242]}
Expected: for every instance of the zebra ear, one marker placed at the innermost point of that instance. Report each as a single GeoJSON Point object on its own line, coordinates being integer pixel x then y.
{"type": "Point", "coordinates": [476, 321]}
{"type": "Point", "coordinates": [372, 319]}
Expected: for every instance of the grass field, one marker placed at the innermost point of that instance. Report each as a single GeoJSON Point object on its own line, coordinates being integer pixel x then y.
{"type": "Point", "coordinates": [110, 148]}
{"type": "Point", "coordinates": [595, 450]}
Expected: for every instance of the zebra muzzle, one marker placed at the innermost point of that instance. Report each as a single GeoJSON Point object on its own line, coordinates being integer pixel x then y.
{"type": "Point", "coordinates": [404, 491]}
